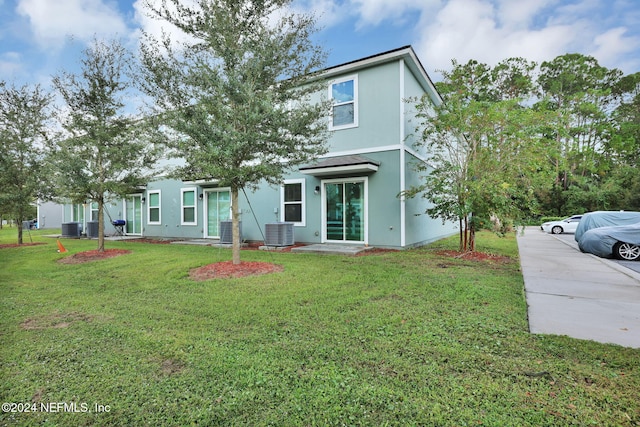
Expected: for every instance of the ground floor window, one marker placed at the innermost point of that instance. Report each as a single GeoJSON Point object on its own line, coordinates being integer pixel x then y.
{"type": "Point", "coordinates": [292, 196]}
{"type": "Point", "coordinates": [188, 206]}
{"type": "Point", "coordinates": [153, 207]}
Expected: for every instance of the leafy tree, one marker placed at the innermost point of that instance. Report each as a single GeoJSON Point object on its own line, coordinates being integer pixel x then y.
{"type": "Point", "coordinates": [24, 120]}
{"type": "Point", "coordinates": [580, 95]}
{"type": "Point", "coordinates": [238, 96]}
{"type": "Point", "coordinates": [105, 151]}
{"type": "Point", "coordinates": [624, 144]}
{"type": "Point", "coordinates": [483, 144]}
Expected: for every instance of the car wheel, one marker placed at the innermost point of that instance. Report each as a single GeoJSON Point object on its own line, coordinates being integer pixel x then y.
{"type": "Point", "coordinates": [626, 251]}
{"type": "Point", "coordinates": [556, 230]}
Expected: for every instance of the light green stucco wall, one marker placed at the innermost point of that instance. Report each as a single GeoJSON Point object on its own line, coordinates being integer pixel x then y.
{"type": "Point", "coordinates": [420, 227]}
{"type": "Point", "coordinates": [171, 206]}
{"type": "Point", "coordinates": [379, 111]}
{"type": "Point", "coordinates": [384, 205]}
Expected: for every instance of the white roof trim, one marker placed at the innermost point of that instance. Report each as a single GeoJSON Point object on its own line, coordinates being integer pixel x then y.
{"type": "Point", "coordinates": [203, 182]}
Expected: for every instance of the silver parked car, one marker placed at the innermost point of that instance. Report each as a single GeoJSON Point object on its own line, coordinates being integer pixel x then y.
{"type": "Point", "coordinates": [567, 225]}
{"type": "Point", "coordinates": [622, 242]}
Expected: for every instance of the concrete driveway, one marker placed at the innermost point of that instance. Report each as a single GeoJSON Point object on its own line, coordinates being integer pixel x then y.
{"type": "Point", "coordinates": [576, 294]}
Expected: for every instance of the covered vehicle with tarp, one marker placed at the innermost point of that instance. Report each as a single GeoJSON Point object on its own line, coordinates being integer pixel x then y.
{"type": "Point", "coordinates": [605, 219]}
{"type": "Point", "coordinates": [622, 242]}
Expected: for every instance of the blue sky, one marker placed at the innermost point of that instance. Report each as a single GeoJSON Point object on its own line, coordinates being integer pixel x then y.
{"type": "Point", "coordinates": [38, 38]}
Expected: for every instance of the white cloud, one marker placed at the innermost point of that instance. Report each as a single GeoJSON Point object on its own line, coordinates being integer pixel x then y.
{"type": "Point", "coordinates": [10, 63]}
{"type": "Point", "coordinates": [373, 12]}
{"type": "Point", "coordinates": [492, 30]}
{"type": "Point", "coordinates": [52, 21]}
{"type": "Point", "coordinates": [520, 14]}
{"type": "Point", "coordinates": [327, 12]}
{"type": "Point", "coordinates": [613, 44]}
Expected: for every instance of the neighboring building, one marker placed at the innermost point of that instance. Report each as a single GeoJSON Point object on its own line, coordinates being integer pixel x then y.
{"type": "Point", "coordinates": [49, 215]}
{"type": "Point", "coordinates": [350, 195]}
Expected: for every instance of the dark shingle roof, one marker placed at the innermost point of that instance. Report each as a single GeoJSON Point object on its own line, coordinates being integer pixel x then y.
{"type": "Point", "coordinates": [333, 162]}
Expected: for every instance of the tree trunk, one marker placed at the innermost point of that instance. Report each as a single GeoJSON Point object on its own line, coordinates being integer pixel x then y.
{"type": "Point", "coordinates": [235, 217]}
{"type": "Point", "coordinates": [465, 243]}
{"type": "Point", "coordinates": [461, 234]}
{"type": "Point", "coordinates": [19, 220]}
{"type": "Point", "coordinates": [472, 235]}
{"type": "Point", "coordinates": [101, 223]}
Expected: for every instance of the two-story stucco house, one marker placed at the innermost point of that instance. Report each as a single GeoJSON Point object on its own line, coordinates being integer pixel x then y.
{"type": "Point", "coordinates": [352, 195]}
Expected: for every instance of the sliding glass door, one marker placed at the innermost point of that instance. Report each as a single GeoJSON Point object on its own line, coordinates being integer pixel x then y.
{"type": "Point", "coordinates": [345, 211]}
{"type": "Point", "coordinates": [218, 208]}
{"type": "Point", "coordinates": [133, 206]}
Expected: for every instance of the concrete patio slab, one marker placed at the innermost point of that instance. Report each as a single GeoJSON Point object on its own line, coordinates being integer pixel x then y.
{"type": "Point", "coordinates": [331, 249]}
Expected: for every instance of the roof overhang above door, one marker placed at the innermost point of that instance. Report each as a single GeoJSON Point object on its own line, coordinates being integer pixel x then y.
{"type": "Point", "coordinates": [341, 165]}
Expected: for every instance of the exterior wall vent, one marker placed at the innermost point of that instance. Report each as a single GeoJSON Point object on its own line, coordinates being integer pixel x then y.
{"type": "Point", "coordinates": [279, 234]}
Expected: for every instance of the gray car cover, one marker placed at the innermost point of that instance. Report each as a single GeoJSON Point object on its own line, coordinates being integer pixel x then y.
{"type": "Point", "coordinates": [605, 219]}
{"type": "Point", "coordinates": [600, 241]}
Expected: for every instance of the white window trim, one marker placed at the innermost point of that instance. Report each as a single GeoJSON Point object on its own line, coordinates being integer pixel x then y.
{"type": "Point", "coordinates": [148, 203]}
{"type": "Point", "coordinates": [302, 202]}
{"type": "Point", "coordinates": [355, 102]}
{"type": "Point", "coordinates": [194, 190]}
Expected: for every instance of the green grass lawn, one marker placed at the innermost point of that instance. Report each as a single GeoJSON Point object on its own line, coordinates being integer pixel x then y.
{"type": "Point", "coordinates": [403, 338]}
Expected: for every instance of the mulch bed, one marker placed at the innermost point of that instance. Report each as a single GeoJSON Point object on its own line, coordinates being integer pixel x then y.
{"type": "Point", "coordinates": [94, 255]}
{"type": "Point", "coordinates": [226, 269]}
{"type": "Point", "coordinates": [15, 245]}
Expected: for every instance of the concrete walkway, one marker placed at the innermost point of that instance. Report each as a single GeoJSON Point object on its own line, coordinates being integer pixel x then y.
{"type": "Point", "coordinates": [576, 294]}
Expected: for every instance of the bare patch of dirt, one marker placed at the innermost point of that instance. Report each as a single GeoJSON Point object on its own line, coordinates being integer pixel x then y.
{"type": "Point", "coordinates": [376, 251]}
{"type": "Point", "coordinates": [171, 366]}
{"type": "Point", "coordinates": [37, 396]}
{"type": "Point", "coordinates": [94, 255]}
{"type": "Point", "coordinates": [153, 241]}
{"type": "Point", "coordinates": [54, 321]}
{"type": "Point", "coordinates": [226, 269]}
{"type": "Point", "coordinates": [473, 256]}
{"type": "Point", "coordinates": [15, 245]}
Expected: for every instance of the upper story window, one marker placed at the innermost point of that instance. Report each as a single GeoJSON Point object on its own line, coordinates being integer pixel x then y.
{"type": "Point", "coordinates": [344, 94]}
{"type": "Point", "coordinates": [188, 206]}
{"type": "Point", "coordinates": [153, 207]}
{"type": "Point", "coordinates": [293, 202]}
